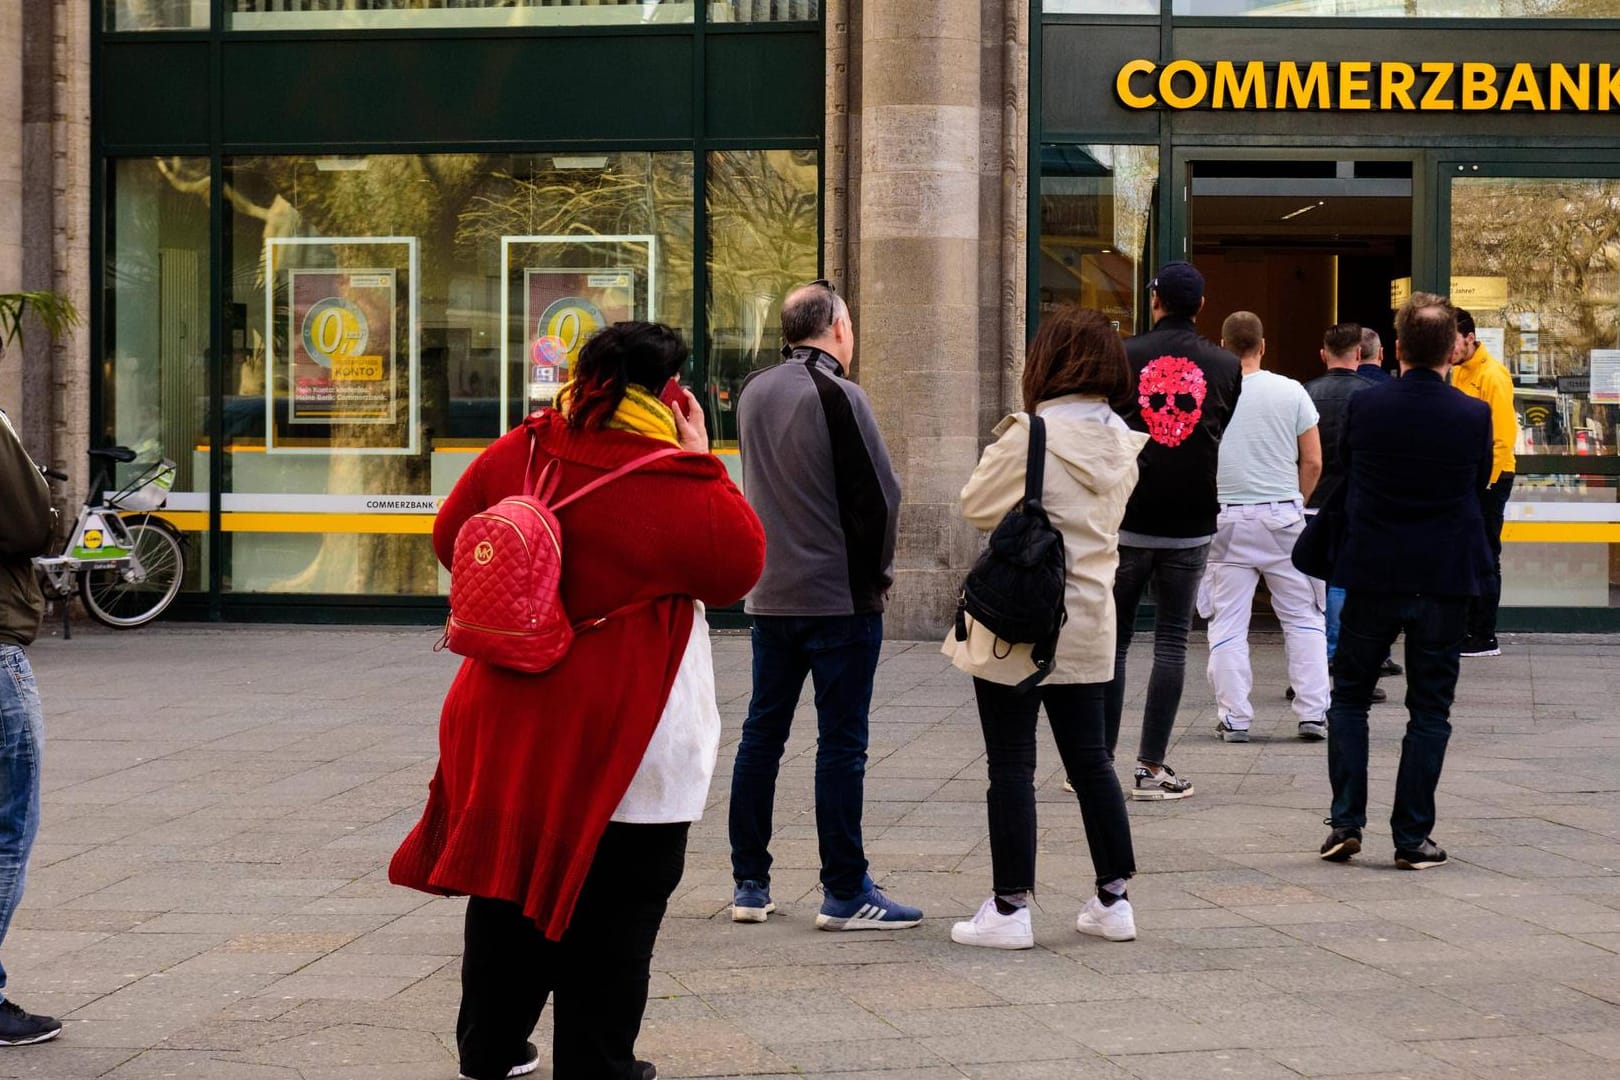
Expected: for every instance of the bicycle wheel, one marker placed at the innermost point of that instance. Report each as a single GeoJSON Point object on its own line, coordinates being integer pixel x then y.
{"type": "Point", "coordinates": [114, 601]}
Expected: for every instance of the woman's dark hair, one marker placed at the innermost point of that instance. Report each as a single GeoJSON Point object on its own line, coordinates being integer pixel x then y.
{"type": "Point", "coordinates": [643, 353]}
{"type": "Point", "coordinates": [1076, 351]}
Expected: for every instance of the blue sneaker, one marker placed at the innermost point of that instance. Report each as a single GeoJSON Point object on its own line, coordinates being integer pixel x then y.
{"type": "Point", "coordinates": [871, 910]}
{"type": "Point", "coordinates": [751, 902]}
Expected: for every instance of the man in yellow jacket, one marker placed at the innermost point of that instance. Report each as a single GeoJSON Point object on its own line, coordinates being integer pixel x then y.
{"type": "Point", "coordinates": [1480, 375]}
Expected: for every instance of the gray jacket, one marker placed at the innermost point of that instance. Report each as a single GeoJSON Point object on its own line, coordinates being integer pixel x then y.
{"type": "Point", "coordinates": [817, 473]}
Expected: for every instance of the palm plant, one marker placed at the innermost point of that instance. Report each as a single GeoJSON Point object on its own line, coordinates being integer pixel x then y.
{"type": "Point", "coordinates": [54, 311]}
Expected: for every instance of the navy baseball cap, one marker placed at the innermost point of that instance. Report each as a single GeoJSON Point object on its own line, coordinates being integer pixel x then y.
{"type": "Point", "coordinates": [1180, 288]}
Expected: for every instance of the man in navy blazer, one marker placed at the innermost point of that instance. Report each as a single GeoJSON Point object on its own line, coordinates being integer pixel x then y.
{"type": "Point", "coordinates": [1417, 457]}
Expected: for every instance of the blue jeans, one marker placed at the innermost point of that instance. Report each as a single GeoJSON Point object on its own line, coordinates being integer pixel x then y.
{"type": "Point", "coordinates": [1175, 573]}
{"type": "Point", "coordinates": [1368, 627]}
{"type": "Point", "coordinates": [1331, 616]}
{"type": "Point", "coordinates": [840, 654]}
{"type": "Point", "coordinates": [22, 725]}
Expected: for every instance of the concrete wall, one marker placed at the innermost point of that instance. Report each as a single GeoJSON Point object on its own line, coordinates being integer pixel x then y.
{"type": "Point", "coordinates": [927, 114]}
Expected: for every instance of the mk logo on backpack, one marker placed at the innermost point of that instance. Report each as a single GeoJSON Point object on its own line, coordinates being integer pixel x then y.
{"type": "Point", "coordinates": [506, 603]}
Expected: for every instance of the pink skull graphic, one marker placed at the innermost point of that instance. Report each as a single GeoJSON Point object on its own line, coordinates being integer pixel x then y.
{"type": "Point", "coordinates": [1171, 393]}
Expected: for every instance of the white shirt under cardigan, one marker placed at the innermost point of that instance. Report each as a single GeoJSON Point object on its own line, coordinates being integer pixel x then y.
{"type": "Point", "coordinates": [672, 783]}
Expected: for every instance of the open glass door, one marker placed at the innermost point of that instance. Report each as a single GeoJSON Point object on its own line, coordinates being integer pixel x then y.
{"type": "Point", "coordinates": [1534, 255]}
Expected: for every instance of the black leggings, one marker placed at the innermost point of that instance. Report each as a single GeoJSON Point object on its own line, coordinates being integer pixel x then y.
{"type": "Point", "coordinates": [1075, 711]}
{"type": "Point", "coordinates": [598, 972]}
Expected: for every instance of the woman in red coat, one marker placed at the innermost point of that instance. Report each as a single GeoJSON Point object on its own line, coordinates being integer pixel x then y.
{"type": "Point", "coordinates": [562, 800]}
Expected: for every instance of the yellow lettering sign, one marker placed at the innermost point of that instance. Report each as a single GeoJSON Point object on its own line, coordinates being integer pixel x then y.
{"type": "Point", "coordinates": [1608, 87]}
{"type": "Point", "coordinates": [1167, 86]}
{"type": "Point", "coordinates": [1315, 84]}
{"type": "Point", "coordinates": [1355, 78]}
{"type": "Point", "coordinates": [1122, 84]}
{"type": "Point", "coordinates": [1479, 87]}
{"type": "Point", "coordinates": [1523, 87]}
{"type": "Point", "coordinates": [1395, 82]}
{"type": "Point", "coordinates": [1578, 89]}
{"type": "Point", "coordinates": [1442, 77]}
{"type": "Point", "coordinates": [357, 369]}
{"type": "Point", "coordinates": [1227, 85]}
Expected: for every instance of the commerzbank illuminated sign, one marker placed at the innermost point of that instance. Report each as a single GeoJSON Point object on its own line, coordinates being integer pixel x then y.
{"type": "Point", "coordinates": [1365, 85]}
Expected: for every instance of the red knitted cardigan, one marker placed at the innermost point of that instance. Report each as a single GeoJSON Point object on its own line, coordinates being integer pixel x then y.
{"type": "Point", "coordinates": [531, 767]}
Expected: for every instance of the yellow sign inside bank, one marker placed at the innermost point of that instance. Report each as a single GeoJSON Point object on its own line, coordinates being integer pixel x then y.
{"type": "Point", "coordinates": [1365, 85]}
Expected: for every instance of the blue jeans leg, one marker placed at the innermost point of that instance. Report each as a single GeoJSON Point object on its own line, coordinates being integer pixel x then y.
{"type": "Point", "coordinates": [779, 672]}
{"type": "Point", "coordinates": [1335, 609]}
{"type": "Point", "coordinates": [1434, 635]}
{"type": "Point", "coordinates": [843, 652]}
{"type": "Point", "coordinates": [22, 724]}
{"type": "Point", "coordinates": [1368, 626]}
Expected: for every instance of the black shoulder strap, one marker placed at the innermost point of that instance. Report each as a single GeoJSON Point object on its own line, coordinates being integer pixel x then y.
{"type": "Point", "coordinates": [1035, 470]}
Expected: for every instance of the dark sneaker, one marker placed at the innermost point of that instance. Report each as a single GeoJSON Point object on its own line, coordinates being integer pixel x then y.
{"type": "Point", "coordinates": [1313, 730]}
{"type": "Point", "coordinates": [1390, 667]}
{"type": "Point", "coordinates": [527, 1066]}
{"type": "Point", "coordinates": [1423, 858]}
{"type": "Point", "coordinates": [1159, 782]}
{"type": "Point", "coordinates": [871, 910]}
{"type": "Point", "coordinates": [1378, 695]}
{"type": "Point", "coordinates": [1225, 732]}
{"type": "Point", "coordinates": [1487, 646]}
{"type": "Point", "coordinates": [751, 902]}
{"type": "Point", "coordinates": [1068, 785]}
{"type": "Point", "coordinates": [19, 1027]}
{"type": "Point", "coordinates": [646, 1070]}
{"type": "Point", "coordinates": [1343, 842]}
{"type": "Point", "coordinates": [1288, 694]}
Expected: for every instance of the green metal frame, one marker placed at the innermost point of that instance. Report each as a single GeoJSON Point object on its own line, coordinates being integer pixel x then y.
{"type": "Point", "coordinates": [749, 86]}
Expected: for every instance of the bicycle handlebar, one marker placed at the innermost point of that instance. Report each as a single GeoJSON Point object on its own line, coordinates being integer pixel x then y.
{"type": "Point", "coordinates": [53, 474]}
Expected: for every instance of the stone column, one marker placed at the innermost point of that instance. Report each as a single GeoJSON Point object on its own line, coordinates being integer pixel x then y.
{"type": "Point", "coordinates": [11, 188]}
{"type": "Point", "coordinates": [917, 280]}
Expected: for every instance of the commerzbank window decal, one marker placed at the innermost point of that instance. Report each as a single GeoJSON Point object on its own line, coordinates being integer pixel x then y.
{"type": "Point", "coordinates": [1368, 86]}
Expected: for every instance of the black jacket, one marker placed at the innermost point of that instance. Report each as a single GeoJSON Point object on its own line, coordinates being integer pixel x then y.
{"type": "Point", "coordinates": [1186, 389]}
{"type": "Point", "coordinates": [1417, 455]}
{"type": "Point", "coordinates": [1331, 395]}
{"type": "Point", "coordinates": [26, 525]}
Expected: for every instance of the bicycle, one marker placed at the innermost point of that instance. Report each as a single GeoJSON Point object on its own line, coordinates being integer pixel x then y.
{"type": "Point", "coordinates": [126, 563]}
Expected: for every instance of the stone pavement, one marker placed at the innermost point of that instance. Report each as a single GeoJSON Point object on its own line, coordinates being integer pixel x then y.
{"type": "Point", "coordinates": [208, 896]}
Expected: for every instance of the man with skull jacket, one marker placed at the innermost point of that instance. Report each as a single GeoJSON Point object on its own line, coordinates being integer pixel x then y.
{"type": "Point", "coordinates": [1186, 389]}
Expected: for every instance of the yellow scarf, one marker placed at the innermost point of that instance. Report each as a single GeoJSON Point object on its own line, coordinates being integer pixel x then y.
{"type": "Point", "coordinates": [640, 412]}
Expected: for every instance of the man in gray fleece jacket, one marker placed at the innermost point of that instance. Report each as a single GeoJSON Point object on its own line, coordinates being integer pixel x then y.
{"type": "Point", "coordinates": [816, 471]}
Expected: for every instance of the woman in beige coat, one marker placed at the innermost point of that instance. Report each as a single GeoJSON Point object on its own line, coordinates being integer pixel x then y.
{"type": "Point", "coordinates": [1076, 366]}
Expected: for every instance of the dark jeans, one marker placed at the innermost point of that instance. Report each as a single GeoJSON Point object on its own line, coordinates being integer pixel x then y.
{"type": "Point", "coordinates": [1368, 627]}
{"type": "Point", "coordinates": [840, 654]}
{"type": "Point", "coordinates": [1175, 573]}
{"type": "Point", "coordinates": [1482, 609]}
{"type": "Point", "coordinates": [598, 971]}
{"type": "Point", "coordinates": [1075, 711]}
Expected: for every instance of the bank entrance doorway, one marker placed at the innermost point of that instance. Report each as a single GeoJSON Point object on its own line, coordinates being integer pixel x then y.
{"type": "Point", "coordinates": [1303, 244]}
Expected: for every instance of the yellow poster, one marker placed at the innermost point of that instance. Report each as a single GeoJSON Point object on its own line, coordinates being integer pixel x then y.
{"type": "Point", "coordinates": [1479, 293]}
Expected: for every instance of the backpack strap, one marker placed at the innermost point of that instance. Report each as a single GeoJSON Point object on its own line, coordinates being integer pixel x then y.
{"type": "Point", "coordinates": [622, 470]}
{"type": "Point", "coordinates": [1035, 469]}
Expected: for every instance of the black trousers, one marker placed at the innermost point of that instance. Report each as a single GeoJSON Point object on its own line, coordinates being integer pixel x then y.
{"type": "Point", "coordinates": [1482, 609]}
{"type": "Point", "coordinates": [1075, 711]}
{"type": "Point", "coordinates": [598, 973]}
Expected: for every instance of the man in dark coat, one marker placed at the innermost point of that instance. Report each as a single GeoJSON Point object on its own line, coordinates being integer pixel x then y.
{"type": "Point", "coordinates": [1417, 458]}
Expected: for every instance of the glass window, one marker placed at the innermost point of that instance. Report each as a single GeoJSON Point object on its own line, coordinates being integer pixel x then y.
{"type": "Point", "coordinates": [1394, 9]}
{"type": "Point", "coordinates": [764, 237]}
{"type": "Point", "coordinates": [155, 14]}
{"type": "Point", "coordinates": [437, 14]}
{"type": "Point", "coordinates": [391, 315]}
{"type": "Point", "coordinates": [764, 10]}
{"type": "Point", "coordinates": [1534, 260]}
{"type": "Point", "coordinates": [1100, 7]}
{"type": "Point", "coordinates": [1098, 229]}
{"type": "Point", "coordinates": [154, 386]}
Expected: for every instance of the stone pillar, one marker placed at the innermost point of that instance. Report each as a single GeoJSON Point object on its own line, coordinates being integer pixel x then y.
{"type": "Point", "coordinates": [918, 282]}
{"type": "Point", "coordinates": [11, 188]}
{"type": "Point", "coordinates": [926, 114]}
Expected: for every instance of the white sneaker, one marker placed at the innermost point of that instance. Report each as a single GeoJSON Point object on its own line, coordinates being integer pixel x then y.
{"type": "Point", "coordinates": [991, 929]}
{"type": "Point", "coordinates": [1116, 922]}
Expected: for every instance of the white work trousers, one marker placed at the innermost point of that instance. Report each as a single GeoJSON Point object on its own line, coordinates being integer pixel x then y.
{"type": "Point", "coordinates": [1251, 541]}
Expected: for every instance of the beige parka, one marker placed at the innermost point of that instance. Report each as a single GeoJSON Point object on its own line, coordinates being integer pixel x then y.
{"type": "Point", "coordinates": [1090, 472]}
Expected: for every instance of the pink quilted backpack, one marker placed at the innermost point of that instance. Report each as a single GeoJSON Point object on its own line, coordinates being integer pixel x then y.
{"type": "Point", "coordinates": [505, 600]}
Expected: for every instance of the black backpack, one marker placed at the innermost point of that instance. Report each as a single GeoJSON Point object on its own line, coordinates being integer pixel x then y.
{"type": "Point", "coordinates": [1015, 589]}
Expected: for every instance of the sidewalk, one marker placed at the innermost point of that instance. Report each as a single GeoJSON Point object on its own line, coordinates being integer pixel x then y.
{"type": "Point", "coordinates": [208, 895]}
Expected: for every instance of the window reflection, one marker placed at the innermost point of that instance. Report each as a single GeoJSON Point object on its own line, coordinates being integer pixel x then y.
{"type": "Point", "coordinates": [1394, 9]}
{"type": "Point", "coordinates": [1097, 228]}
{"type": "Point", "coordinates": [438, 14]}
{"type": "Point", "coordinates": [155, 14]}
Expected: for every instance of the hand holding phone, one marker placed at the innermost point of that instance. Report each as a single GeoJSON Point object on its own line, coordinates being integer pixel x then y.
{"type": "Point", "coordinates": [673, 396]}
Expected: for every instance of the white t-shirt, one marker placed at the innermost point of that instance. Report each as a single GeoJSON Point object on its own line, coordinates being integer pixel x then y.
{"type": "Point", "coordinates": [672, 783]}
{"type": "Point", "coordinates": [1259, 460]}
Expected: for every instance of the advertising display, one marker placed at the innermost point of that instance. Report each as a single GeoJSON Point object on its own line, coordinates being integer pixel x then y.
{"type": "Point", "coordinates": [341, 355]}
{"type": "Point", "coordinates": [561, 290]}
{"type": "Point", "coordinates": [343, 348]}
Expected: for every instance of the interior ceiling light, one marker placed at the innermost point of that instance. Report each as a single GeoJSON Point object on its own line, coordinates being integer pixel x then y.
{"type": "Point", "coordinates": [598, 162]}
{"type": "Point", "coordinates": [1307, 208]}
{"type": "Point", "coordinates": [341, 164]}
